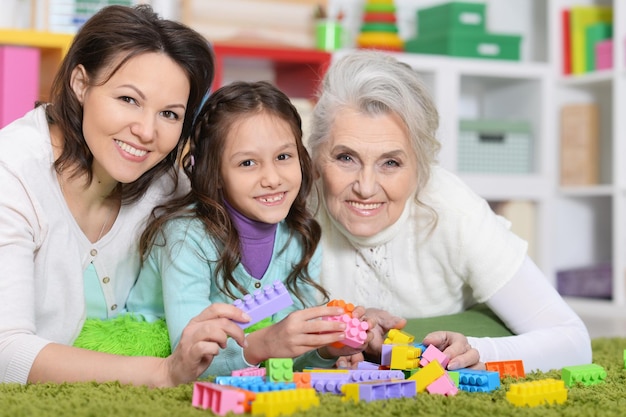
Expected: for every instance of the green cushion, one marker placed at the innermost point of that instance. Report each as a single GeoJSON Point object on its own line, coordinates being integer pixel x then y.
{"type": "Point", "coordinates": [479, 321]}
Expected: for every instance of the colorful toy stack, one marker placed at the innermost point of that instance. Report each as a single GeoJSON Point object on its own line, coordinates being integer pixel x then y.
{"type": "Point", "coordinates": [406, 369]}
{"type": "Point", "coordinates": [379, 29]}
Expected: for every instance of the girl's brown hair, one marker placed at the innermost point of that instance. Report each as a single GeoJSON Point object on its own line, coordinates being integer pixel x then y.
{"type": "Point", "coordinates": [224, 108]}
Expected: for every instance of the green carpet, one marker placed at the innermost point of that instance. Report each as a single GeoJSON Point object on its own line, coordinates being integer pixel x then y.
{"type": "Point", "coordinates": [112, 399]}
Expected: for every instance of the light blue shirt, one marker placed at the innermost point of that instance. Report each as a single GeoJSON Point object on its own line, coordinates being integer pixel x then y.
{"type": "Point", "coordinates": [178, 281]}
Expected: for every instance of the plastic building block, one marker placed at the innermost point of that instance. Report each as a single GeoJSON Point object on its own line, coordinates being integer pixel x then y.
{"type": "Point", "coordinates": [586, 374]}
{"type": "Point", "coordinates": [513, 369]}
{"type": "Point", "coordinates": [356, 375]}
{"type": "Point", "coordinates": [251, 371]}
{"type": "Point", "coordinates": [427, 375]}
{"type": "Point", "coordinates": [385, 355]}
{"type": "Point", "coordinates": [478, 381]}
{"type": "Point", "coordinates": [220, 399]}
{"type": "Point", "coordinates": [254, 383]}
{"type": "Point", "coordinates": [432, 353]}
{"type": "Point", "coordinates": [534, 393]}
{"type": "Point", "coordinates": [263, 303]}
{"type": "Point", "coordinates": [367, 366]}
{"type": "Point", "coordinates": [356, 330]}
{"type": "Point", "coordinates": [454, 376]}
{"type": "Point", "coordinates": [328, 386]}
{"type": "Point", "coordinates": [378, 390]}
{"type": "Point", "coordinates": [405, 357]}
{"type": "Point", "coordinates": [273, 404]}
{"type": "Point", "coordinates": [302, 380]}
{"type": "Point", "coordinates": [398, 337]}
{"type": "Point", "coordinates": [238, 380]}
{"type": "Point", "coordinates": [348, 308]}
{"type": "Point", "coordinates": [444, 385]}
{"type": "Point", "coordinates": [279, 369]}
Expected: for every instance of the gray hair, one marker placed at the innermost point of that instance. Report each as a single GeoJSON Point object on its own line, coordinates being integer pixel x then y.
{"type": "Point", "coordinates": [374, 83]}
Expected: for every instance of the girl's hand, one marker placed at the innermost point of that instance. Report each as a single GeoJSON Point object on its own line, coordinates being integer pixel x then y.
{"type": "Point", "coordinates": [457, 348]}
{"type": "Point", "coordinates": [347, 351]}
{"type": "Point", "coordinates": [301, 331]}
{"type": "Point", "coordinates": [201, 341]}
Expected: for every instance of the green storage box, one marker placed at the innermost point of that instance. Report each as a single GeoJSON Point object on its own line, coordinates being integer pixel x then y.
{"type": "Point", "coordinates": [495, 147]}
{"type": "Point", "coordinates": [451, 17]}
{"type": "Point", "coordinates": [474, 45]}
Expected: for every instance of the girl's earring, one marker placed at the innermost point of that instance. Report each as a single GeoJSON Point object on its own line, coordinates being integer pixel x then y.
{"type": "Point", "coordinates": [192, 161]}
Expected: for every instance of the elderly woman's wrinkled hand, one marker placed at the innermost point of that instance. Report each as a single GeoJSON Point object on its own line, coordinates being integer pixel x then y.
{"type": "Point", "coordinates": [457, 348]}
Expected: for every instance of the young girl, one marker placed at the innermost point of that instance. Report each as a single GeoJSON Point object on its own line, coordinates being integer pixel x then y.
{"type": "Point", "coordinates": [244, 225]}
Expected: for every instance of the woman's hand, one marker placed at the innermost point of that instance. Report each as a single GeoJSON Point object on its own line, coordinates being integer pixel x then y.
{"type": "Point", "coordinates": [301, 331]}
{"type": "Point", "coordinates": [201, 341]}
{"type": "Point", "coordinates": [382, 321]}
{"type": "Point", "coordinates": [457, 348]}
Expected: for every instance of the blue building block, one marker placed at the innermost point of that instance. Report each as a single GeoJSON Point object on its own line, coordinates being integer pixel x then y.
{"type": "Point", "coordinates": [478, 381]}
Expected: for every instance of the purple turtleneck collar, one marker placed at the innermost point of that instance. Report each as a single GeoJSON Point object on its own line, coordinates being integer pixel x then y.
{"type": "Point", "coordinates": [256, 242]}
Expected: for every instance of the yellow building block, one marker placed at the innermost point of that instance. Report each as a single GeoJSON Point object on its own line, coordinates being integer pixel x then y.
{"type": "Point", "coordinates": [405, 357]}
{"type": "Point", "coordinates": [275, 403]}
{"type": "Point", "coordinates": [534, 393]}
{"type": "Point", "coordinates": [426, 375]}
{"type": "Point", "coordinates": [398, 337]}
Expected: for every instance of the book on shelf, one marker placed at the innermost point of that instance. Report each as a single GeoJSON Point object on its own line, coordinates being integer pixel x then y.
{"type": "Point", "coordinates": [581, 18]}
{"type": "Point", "coordinates": [579, 144]}
{"type": "Point", "coordinates": [566, 42]}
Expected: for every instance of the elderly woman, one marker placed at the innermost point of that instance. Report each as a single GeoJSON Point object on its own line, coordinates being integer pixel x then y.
{"type": "Point", "coordinates": [401, 233]}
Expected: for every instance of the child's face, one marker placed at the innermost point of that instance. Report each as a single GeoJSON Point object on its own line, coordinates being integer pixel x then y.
{"type": "Point", "coordinates": [260, 168]}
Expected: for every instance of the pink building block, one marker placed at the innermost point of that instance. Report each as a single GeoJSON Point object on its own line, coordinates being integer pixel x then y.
{"type": "Point", "coordinates": [431, 353]}
{"type": "Point", "coordinates": [19, 81]}
{"type": "Point", "coordinates": [264, 303]}
{"type": "Point", "coordinates": [251, 371]}
{"type": "Point", "coordinates": [604, 54]}
{"type": "Point", "coordinates": [218, 398]}
{"type": "Point", "coordinates": [356, 330]}
{"type": "Point", "coordinates": [443, 386]}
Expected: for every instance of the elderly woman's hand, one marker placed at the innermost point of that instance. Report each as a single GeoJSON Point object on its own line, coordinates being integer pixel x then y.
{"type": "Point", "coordinates": [457, 348]}
{"type": "Point", "coordinates": [382, 321]}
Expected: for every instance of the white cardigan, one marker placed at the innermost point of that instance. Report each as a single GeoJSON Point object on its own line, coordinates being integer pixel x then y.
{"type": "Point", "coordinates": [43, 252]}
{"type": "Point", "coordinates": [470, 257]}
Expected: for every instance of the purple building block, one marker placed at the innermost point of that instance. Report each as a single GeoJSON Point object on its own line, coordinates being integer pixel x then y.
{"type": "Point", "coordinates": [384, 390]}
{"type": "Point", "coordinates": [356, 375]}
{"type": "Point", "coordinates": [385, 356]}
{"type": "Point", "coordinates": [328, 386]}
{"type": "Point", "coordinates": [263, 303]}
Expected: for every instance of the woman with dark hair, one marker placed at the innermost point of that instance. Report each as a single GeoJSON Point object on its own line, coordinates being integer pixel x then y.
{"type": "Point", "coordinates": [79, 177]}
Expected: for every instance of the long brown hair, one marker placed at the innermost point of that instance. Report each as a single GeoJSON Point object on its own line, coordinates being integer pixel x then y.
{"type": "Point", "coordinates": [223, 109]}
{"type": "Point", "coordinates": [103, 44]}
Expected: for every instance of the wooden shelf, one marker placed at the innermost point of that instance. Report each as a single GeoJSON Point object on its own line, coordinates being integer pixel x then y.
{"type": "Point", "coordinates": [53, 47]}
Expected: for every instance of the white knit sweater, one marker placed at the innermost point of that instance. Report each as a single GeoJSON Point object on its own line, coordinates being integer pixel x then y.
{"type": "Point", "coordinates": [43, 252]}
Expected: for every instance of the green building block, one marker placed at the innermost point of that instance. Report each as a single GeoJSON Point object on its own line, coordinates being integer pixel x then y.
{"type": "Point", "coordinates": [586, 374]}
{"type": "Point", "coordinates": [279, 369]}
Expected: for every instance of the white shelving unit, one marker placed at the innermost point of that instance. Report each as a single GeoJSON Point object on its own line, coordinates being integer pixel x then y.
{"type": "Point", "coordinates": [591, 220]}
{"type": "Point", "coordinates": [495, 89]}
